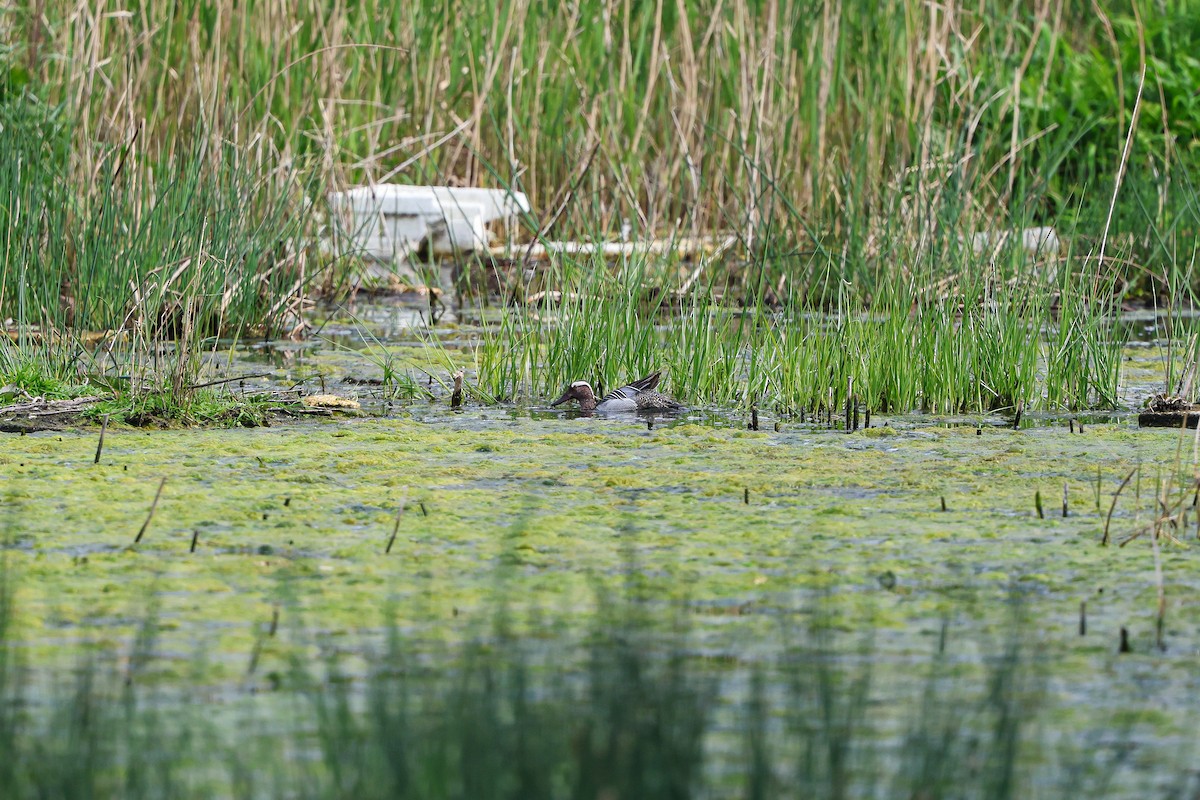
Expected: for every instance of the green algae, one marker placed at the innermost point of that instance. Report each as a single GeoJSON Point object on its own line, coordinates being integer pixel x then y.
{"type": "Point", "coordinates": [516, 512]}
{"type": "Point", "coordinates": [561, 506]}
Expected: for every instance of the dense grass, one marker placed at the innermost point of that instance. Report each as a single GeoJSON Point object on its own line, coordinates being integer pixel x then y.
{"type": "Point", "coordinates": [717, 113]}
{"type": "Point", "coordinates": [800, 125]}
{"type": "Point", "coordinates": [99, 277]}
{"type": "Point", "coordinates": [198, 240]}
{"type": "Point", "coordinates": [981, 346]}
{"type": "Point", "coordinates": [854, 148]}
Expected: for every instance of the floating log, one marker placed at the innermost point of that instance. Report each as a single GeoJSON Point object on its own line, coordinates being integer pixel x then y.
{"type": "Point", "coordinates": [1169, 411]}
{"type": "Point", "coordinates": [41, 407]}
{"type": "Point", "coordinates": [1169, 419]}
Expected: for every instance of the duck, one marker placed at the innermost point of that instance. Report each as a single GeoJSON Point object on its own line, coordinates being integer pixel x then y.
{"type": "Point", "coordinates": [640, 395]}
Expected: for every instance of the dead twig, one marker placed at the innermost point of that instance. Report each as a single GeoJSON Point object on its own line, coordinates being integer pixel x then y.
{"type": "Point", "coordinates": [396, 527]}
{"type": "Point", "coordinates": [150, 516]}
{"type": "Point", "coordinates": [1124, 483]}
{"type": "Point", "coordinates": [100, 444]}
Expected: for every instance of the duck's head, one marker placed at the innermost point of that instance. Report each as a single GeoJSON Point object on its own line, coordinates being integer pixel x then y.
{"type": "Point", "coordinates": [580, 391]}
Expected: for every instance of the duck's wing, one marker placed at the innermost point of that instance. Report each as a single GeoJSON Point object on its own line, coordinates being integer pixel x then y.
{"type": "Point", "coordinates": [632, 390]}
{"type": "Point", "coordinates": [648, 383]}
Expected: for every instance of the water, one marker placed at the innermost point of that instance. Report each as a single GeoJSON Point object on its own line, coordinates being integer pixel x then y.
{"type": "Point", "coordinates": [542, 511]}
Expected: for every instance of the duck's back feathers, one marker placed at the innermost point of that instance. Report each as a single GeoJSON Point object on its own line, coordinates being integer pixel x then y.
{"type": "Point", "coordinates": [656, 401]}
{"type": "Point", "coordinates": [640, 395]}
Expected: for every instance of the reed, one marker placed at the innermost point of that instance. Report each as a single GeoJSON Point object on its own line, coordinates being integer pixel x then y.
{"type": "Point", "coordinates": [130, 275]}
{"type": "Point", "coordinates": [688, 116]}
{"type": "Point", "coordinates": [977, 347]}
{"type": "Point", "coordinates": [856, 150]}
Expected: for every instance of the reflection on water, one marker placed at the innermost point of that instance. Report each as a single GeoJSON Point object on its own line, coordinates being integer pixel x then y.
{"type": "Point", "coordinates": [1148, 326]}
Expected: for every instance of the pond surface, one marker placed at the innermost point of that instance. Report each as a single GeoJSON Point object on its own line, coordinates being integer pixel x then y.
{"type": "Point", "coordinates": [916, 527]}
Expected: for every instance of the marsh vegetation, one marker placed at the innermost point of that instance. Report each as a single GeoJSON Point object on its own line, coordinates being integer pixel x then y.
{"type": "Point", "coordinates": [869, 161]}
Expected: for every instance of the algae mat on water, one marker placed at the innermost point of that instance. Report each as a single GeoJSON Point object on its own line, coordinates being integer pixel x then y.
{"type": "Point", "coordinates": [299, 517]}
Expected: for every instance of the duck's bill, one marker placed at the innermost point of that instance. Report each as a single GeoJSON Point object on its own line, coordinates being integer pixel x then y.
{"type": "Point", "coordinates": [566, 396]}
